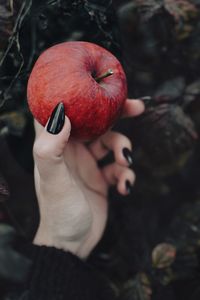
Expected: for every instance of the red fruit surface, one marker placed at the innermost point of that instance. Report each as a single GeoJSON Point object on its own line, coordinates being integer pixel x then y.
{"type": "Point", "coordinates": [65, 73]}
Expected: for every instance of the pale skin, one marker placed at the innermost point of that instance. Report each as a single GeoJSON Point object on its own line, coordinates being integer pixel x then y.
{"type": "Point", "coordinates": [72, 190]}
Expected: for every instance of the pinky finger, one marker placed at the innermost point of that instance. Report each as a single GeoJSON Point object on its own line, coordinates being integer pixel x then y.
{"type": "Point", "coordinates": [126, 182]}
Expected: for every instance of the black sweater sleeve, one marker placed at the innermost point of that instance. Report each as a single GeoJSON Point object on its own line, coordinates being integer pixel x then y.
{"type": "Point", "coordinates": [59, 275]}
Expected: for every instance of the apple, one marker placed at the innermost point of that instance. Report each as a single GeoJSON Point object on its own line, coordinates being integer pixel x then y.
{"type": "Point", "coordinates": [87, 78]}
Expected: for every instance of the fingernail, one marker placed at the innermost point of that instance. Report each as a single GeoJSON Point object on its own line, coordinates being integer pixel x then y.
{"type": "Point", "coordinates": [57, 119]}
{"type": "Point", "coordinates": [128, 186]}
{"type": "Point", "coordinates": [106, 160]}
{"type": "Point", "coordinates": [128, 155]}
{"type": "Point", "coordinates": [146, 99]}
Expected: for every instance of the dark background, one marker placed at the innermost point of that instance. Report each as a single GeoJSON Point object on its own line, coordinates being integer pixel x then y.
{"type": "Point", "coordinates": [150, 249]}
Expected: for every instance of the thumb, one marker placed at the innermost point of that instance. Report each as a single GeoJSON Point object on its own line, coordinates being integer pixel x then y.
{"type": "Point", "coordinates": [50, 144]}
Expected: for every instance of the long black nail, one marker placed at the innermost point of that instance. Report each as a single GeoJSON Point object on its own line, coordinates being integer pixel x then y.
{"type": "Point", "coordinates": [128, 186]}
{"type": "Point", "coordinates": [106, 160]}
{"type": "Point", "coordinates": [57, 119]}
{"type": "Point", "coordinates": [128, 155]}
{"type": "Point", "coordinates": [147, 100]}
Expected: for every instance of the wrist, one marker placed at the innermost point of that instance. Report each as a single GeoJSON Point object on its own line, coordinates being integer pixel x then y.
{"type": "Point", "coordinates": [46, 238]}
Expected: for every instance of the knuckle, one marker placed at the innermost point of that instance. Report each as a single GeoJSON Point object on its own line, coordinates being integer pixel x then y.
{"type": "Point", "coordinates": [124, 141]}
{"type": "Point", "coordinates": [41, 150]}
{"type": "Point", "coordinates": [129, 174]}
{"type": "Point", "coordinates": [132, 175]}
{"type": "Point", "coordinates": [127, 142]}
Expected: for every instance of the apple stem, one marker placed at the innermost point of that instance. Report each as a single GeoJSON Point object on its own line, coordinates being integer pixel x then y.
{"type": "Point", "coordinates": [106, 74]}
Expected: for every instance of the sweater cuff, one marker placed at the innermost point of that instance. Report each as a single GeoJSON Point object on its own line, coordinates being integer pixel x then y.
{"type": "Point", "coordinates": [56, 274]}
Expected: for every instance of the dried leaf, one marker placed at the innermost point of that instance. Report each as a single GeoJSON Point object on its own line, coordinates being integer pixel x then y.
{"type": "Point", "coordinates": [165, 276]}
{"type": "Point", "coordinates": [183, 32]}
{"type": "Point", "coordinates": [126, 16]}
{"type": "Point", "coordinates": [192, 93]}
{"type": "Point", "coordinates": [170, 90]}
{"type": "Point", "coordinates": [180, 9]}
{"type": "Point", "coordinates": [12, 123]}
{"type": "Point", "coordinates": [7, 234]}
{"type": "Point", "coordinates": [137, 289]}
{"type": "Point", "coordinates": [4, 192]}
{"type": "Point", "coordinates": [191, 102]}
{"type": "Point", "coordinates": [13, 266]}
{"type": "Point", "coordinates": [184, 231]}
{"type": "Point", "coordinates": [147, 9]}
{"type": "Point", "coordinates": [163, 255]}
{"type": "Point", "coordinates": [6, 22]}
{"type": "Point", "coordinates": [175, 131]}
{"type": "Point", "coordinates": [8, 14]}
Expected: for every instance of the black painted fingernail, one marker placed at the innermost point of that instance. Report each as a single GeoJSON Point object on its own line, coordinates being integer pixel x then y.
{"type": "Point", "coordinates": [128, 186]}
{"type": "Point", "coordinates": [128, 155]}
{"type": "Point", "coordinates": [57, 119]}
{"type": "Point", "coordinates": [106, 160]}
{"type": "Point", "coordinates": [147, 100]}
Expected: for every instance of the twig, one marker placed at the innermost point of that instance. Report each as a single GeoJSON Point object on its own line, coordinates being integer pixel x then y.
{"type": "Point", "coordinates": [18, 23]}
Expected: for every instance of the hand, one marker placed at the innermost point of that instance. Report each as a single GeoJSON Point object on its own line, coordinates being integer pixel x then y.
{"type": "Point", "coordinates": [72, 190]}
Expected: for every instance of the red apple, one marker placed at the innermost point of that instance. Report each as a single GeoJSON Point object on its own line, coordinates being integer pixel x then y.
{"type": "Point", "coordinates": [87, 78]}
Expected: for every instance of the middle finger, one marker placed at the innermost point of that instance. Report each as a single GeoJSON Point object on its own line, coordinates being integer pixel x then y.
{"type": "Point", "coordinates": [115, 143]}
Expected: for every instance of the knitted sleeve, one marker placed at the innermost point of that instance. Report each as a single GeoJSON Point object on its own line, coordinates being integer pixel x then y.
{"type": "Point", "coordinates": [59, 275]}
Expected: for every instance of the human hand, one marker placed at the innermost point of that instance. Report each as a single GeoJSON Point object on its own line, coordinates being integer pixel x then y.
{"type": "Point", "coordinates": [71, 189]}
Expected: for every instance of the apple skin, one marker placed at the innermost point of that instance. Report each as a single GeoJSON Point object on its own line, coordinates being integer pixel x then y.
{"type": "Point", "coordinates": [65, 73]}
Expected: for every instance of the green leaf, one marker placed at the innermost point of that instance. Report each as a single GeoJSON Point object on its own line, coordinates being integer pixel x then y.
{"type": "Point", "coordinates": [163, 255]}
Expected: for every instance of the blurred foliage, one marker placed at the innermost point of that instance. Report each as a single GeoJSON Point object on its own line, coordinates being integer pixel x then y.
{"type": "Point", "coordinates": [150, 250]}
{"type": "Point", "coordinates": [175, 131]}
{"type": "Point", "coordinates": [4, 192]}
{"type": "Point", "coordinates": [163, 255]}
{"type": "Point", "coordinates": [10, 260]}
{"type": "Point", "coordinates": [138, 288]}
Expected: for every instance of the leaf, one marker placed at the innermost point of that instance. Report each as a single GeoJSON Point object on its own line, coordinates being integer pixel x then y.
{"type": "Point", "coordinates": [170, 89]}
{"type": "Point", "coordinates": [137, 289]}
{"type": "Point", "coordinates": [192, 93]}
{"type": "Point", "coordinates": [180, 9]}
{"type": "Point", "coordinates": [8, 14]}
{"type": "Point", "coordinates": [12, 123]}
{"type": "Point", "coordinates": [175, 131]}
{"type": "Point", "coordinates": [7, 234]}
{"type": "Point", "coordinates": [13, 266]}
{"type": "Point", "coordinates": [4, 192]}
{"type": "Point", "coordinates": [13, 50]}
{"type": "Point", "coordinates": [163, 255]}
{"type": "Point", "coordinates": [6, 25]}
{"type": "Point", "coordinates": [147, 9]}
